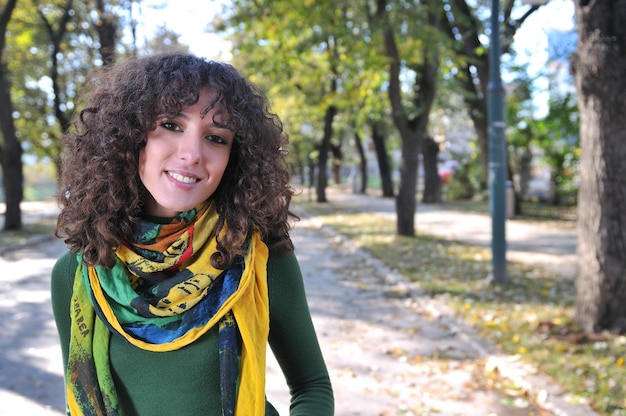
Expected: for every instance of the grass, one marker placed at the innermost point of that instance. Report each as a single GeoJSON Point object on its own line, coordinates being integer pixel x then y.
{"type": "Point", "coordinates": [531, 211]}
{"type": "Point", "coordinates": [38, 219]}
{"type": "Point", "coordinates": [531, 317]}
{"type": "Point", "coordinates": [28, 231]}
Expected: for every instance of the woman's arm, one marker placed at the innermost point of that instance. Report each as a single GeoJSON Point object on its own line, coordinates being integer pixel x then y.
{"type": "Point", "coordinates": [293, 340]}
{"type": "Point", "coordinates": [61, 292]}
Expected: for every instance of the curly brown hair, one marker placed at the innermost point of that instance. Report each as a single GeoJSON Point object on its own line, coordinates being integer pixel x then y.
{"type": "Point", "coordinates": [100, 192]}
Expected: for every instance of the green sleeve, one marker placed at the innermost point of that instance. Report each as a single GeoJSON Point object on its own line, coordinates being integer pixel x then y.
{"type": "Point", "coordinates": [293, 340]}
{"type": "Point", "coordinates": [62, 281]}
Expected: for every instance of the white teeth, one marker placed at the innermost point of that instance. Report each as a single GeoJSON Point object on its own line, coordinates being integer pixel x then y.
{"type": "Point", "coordinates": [181, 178]}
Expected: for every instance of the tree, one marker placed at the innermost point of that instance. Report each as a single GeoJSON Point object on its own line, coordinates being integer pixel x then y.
{"type": "Point", "coordinates": [29, 68]}
{"type": "Point", "coordinates": [291, 49]}
{"type": "Point", "coordinates": [465, 27]}
{"type": "Point", "coordinates": [599, 65]}
{"type": "Point", "coordinates": [46, 54]}
{"type": "Point", "coordinates": [368, 109]}
{"type": "Point", "coordinates": [522, 133]}
{"type": "Point", "coordinates": [11, 150]}
{"type": "Point", "coordinates": [432, 181]}
{"type": "Point", "coordinates": [106, 26]}
{"type": "Point", "coordinates": [411, 120]}
{"type": "Point", "coordinates": [72, 29]}
{"type": "Point", "coordinates": [358, 143]}
{"type": "Point", "coordinates": [384, 166]}
{"type": "Point", "coordinates": [56, 34]}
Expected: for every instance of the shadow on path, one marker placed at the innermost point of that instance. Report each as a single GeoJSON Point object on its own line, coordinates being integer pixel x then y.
{"type": "Point", "coordinates": [30, 363]}
{"type": "Point", "coordinates": [527, 242]}
{"type": "Point", "coordinates": [386, 354]}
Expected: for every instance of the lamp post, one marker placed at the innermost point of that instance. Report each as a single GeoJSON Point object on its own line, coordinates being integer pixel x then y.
{"type": "Point", "coordinates": [497, 153]}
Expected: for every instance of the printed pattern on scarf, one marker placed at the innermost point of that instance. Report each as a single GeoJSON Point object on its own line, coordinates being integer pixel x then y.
{"type": "Point", "coordinates": [163, 294]}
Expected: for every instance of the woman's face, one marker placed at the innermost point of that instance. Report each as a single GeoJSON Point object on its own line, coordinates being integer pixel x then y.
{"type": "Point", "coordinates": [184, 159]}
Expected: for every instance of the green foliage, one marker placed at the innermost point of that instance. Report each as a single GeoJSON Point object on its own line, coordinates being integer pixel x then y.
{"type": "Point", "coordinates": [558, 137]}
{"type": "Point", "coordinates": [312, 54]}
{"type": "Point", "coordinates": [40, 51]}
{"type": "Point", "coordinates": [553, 139]}
{"type": "Point", "coordinates": [298, 53]}
{"type": "Point", "coordinates": [466, 182]}
{"type": "Point", "coordinates": [305, 55]}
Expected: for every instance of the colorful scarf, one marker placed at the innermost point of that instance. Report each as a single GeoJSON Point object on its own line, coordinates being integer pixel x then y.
{"type": "Point", "coordinates": [163, 294]}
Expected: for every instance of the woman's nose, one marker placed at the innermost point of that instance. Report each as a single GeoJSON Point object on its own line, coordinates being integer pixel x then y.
{"type": "Point", "coordinates": [189, 147]}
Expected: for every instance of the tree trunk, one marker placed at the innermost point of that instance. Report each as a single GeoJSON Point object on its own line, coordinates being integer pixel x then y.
{"type": "Point", "coordinates": [412, 128]}
{"type": "Point", "coordinates": [337, 162]}
{"type": "Point", "coordinates": [475, 98]}
{"type": "Point", "coordinates": [362, 164]}
{"type": "Point", "coordinates": [599, 66]}
{"type": "Point", "coordinates": [299, 169]}
{"type": "Point", "coordinates": [13, 176]}
{"type": "Point", "coordinates": [384, 167]}
{"type": "Point", "coordinates": [525, 164]}
{"type": "Point", "coordinates": [56, 39]}
{"type": "Point", "coordinates": [405, 201]}
{"type": "Point", "coordinates": [432, 181]}
{"type": "Point", "coordinates": [322, 175]}
{"type": "Point", "coordinates": [312, 175]}
{"type": "Point", "coordinates": [11, 151]}
{"type": "Point", "coordinates": [106, 27]}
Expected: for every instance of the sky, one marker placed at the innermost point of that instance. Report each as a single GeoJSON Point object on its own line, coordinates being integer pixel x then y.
{"type": "Point", "coordinates": [531, 44]}
{"type": "Point", "coordinates": [531, 40]}
{"type": "Point", "coordinates": [188, 18]}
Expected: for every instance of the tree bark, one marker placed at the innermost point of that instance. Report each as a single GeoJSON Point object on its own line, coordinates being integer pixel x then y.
{"type": "Point", "coordinates": [56, 38]}
{"type": "Point", "coordinates": [11, 151]}
{"type": "Point", "coordinates": [324, 149]}
{"type": "Point", "coordinates": [362, 164]}
{"type": "Point", "coordinates": [599, 68]}
{"type": "Point", "coordinates": [412, 128]}
{"type": "Point", "coordinates": [432, 182]}
{"type": "Point", "coordinates": [384, 167]}
{"type": "Point", "coordinates": [107, 33]}
{"type": "Point", "coordinates": [405, 200]}
{"type": "Point", "coordinates": [337, 162]}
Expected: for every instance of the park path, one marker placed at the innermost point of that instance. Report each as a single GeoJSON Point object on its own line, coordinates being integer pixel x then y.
{"type": "Point", "coordinates": [543, 244]}
{"type": "Point", "coordinates": [31, 375]}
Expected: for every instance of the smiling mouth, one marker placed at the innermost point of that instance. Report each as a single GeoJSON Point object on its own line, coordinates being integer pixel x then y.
{"type": "Point", "coordinates": [183, 179]}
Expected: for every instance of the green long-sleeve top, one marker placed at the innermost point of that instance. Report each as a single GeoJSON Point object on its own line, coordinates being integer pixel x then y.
{"type": "Point", "coordinates": [186, 381]}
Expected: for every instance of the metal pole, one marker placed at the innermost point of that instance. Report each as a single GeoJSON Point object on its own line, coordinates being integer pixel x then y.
{"type": "Point", "coordinates": [497, 153]}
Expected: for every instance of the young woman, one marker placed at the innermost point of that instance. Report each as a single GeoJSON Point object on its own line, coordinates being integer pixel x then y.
{"type": "Point", "coordinates": [175, 206]}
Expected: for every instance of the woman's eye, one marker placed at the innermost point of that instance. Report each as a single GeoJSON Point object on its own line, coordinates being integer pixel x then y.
{"type": "Point", "coordinates": [217, 139]}
{"type": "Point", "coordinates": [168, 125]}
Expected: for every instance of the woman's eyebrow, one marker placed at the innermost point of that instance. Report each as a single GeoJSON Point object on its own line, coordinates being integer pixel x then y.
{"type": "Point", "coordinates": [213, 123]}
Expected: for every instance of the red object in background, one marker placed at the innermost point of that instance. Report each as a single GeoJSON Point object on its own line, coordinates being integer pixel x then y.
{"type": "Point", "coordinates": [446, 170]}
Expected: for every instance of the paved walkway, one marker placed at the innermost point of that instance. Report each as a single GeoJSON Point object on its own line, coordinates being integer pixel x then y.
{"type": "Point", "coordinates": [387, 355]}
{"type": "Point", "coordinates": [542, 243]}
{"type": "Point", "coordinates": [31, 376]}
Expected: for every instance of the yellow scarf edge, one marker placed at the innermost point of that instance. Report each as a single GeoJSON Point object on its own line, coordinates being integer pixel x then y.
{"type": "Point", "coordinates": [193, 334]}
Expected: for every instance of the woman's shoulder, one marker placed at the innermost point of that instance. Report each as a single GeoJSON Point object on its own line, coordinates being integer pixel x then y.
{"type": "Point", "coordinates": [284, 276]}
{"type": "Point", "coordinates": [64, 271]}
{"type": "Point", "coordinates": [281, 260]}
{"type": "Point", "coordinates": [61, 285]}
{"type": "Point", "coordinates": [64, 263]}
